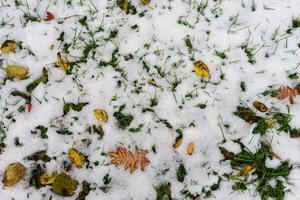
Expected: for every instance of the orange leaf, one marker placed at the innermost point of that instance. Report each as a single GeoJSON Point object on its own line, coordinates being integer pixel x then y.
{"type": "Point", "coordinates": [191, 148]}
{"type": "Point", "coordinates": [131, 160]}
{"type": "Point", "coordinates": [287, 92]}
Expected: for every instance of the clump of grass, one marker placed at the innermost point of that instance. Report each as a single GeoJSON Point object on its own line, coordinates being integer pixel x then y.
{"type": "Point", "coordinates": [263, 175]}
{"type": "Point", "coordinates": [296, 22]}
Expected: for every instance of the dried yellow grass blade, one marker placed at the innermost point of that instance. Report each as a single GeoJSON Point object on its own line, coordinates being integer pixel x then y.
{"type": "Point", "coordinates": [16, 71]}
{"type": "Point", "coordinates": [201, 69]}
{"type": "Point", "coordinates": [101, 115]}
{"type": "Point", "coordinates": [77, 157]}
{"type": "Point", "coordinates": [9, 46]}
{"type": "Point", "coordinates": [191, 148]}
{"type": "Point", "coordinates": [13, 174]}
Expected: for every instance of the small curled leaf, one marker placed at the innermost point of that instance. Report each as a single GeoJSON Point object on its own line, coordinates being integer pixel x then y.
{"type": "Point", "coordinates": [101, 115]}
{"type": "Point", "coordinates": [178, 142]}
{"type": "Point", "coordinates": [260, 106]}
{"type": "Point", "coordinates": [49, 16]}
{"type": "Point", "coordinates": [191, 148]}
{"type": "Point", "coordinates": [201, 69]}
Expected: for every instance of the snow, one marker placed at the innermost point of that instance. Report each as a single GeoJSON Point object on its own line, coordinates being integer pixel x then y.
{"type": "Point", "coordinates": [160, 29]}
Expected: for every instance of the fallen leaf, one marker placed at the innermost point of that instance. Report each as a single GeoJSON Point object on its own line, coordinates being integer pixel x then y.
{"type": "Point", "coordinates": [77, 157]}
{"type": "Point", "coordinates": [9, 46]}
{"type": "Point", "coordinates": [191, 148]}
{"type": "Point", "coordinates": [101, 115]}
{"type": "Point", "coordinates": [178, 142]}
{"type": "Point", "coordinates": [227, 154]}
{"type": "Point", "coordinates": [46, 179]}
{"type": "Point", "coordinates": [13, 174]}
{"type": "Point", "coordinates": [62, 64]}
{"type": "Point", "coordinates": [246, 170]}
{"type": "Point", "coordinates": [260, 106]}
{"type": "Point", "coordinates": [130, 159]}
{"type": "Point", "coordinates": [49, 16]}
{"type": "Point", "coordinates": [145, 2]}
{"type": "Point", "coordinates": [178, 139]}
{"type": "Point", "coordinates": [64, 185]}
{"type": "Point", "coordinates": [295, 133]}
{"type": "Point", "coordinates": [201, 69]}
{"type": "Point", "coordinates": [123, 4]}
{"type": "Point", "coordinates": [287, 92]}
{"type": "Point", "coordinates": [16, 71]}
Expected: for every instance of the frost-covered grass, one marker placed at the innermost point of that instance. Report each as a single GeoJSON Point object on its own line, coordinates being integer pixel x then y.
{"type": "Point", "coordinates": [138, 66]}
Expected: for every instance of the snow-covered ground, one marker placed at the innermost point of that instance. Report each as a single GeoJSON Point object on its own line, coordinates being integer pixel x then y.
{"type": "Point", "coordinates": [145, 61]}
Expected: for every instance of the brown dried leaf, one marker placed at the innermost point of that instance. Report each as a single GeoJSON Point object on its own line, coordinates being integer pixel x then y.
{"type": "Point", "coordinates": [130, 159]}
{"type": "Point", "coordinates": [287, 92]}
{"type": "Point", "coordinates": [227, 154]}
{"type": "Point", "coordinates": [295, 133]}
{"type": "Point", "coordinates": [260, 106]}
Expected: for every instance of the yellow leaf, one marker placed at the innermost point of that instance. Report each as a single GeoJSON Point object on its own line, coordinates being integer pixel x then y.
{"type": "Point", "coordinates": [145, 2]}
{"type": "Point", "coordinates": [201, 69]}
{"type": "Point", "coordinates": [76, 157]}
{"type": "Point", "coordinates": [13, 174]}
{"type": "Point", "coordinates": [246, 170]}
{"type": "Point", "coordinates": [101, 115]}
{"type": "Point", "coordinates": [63, 65]}
{"type": "Point", "coordinates": [9, 46]}
{"type": "Point", "coordinates": [46, 179]}
{"type": "Point", "coordinates": [16, 71]}
{"type": "Point", "coordinates": [191, 148]}
{"type": "Point", "coordinates": [123, 4]}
